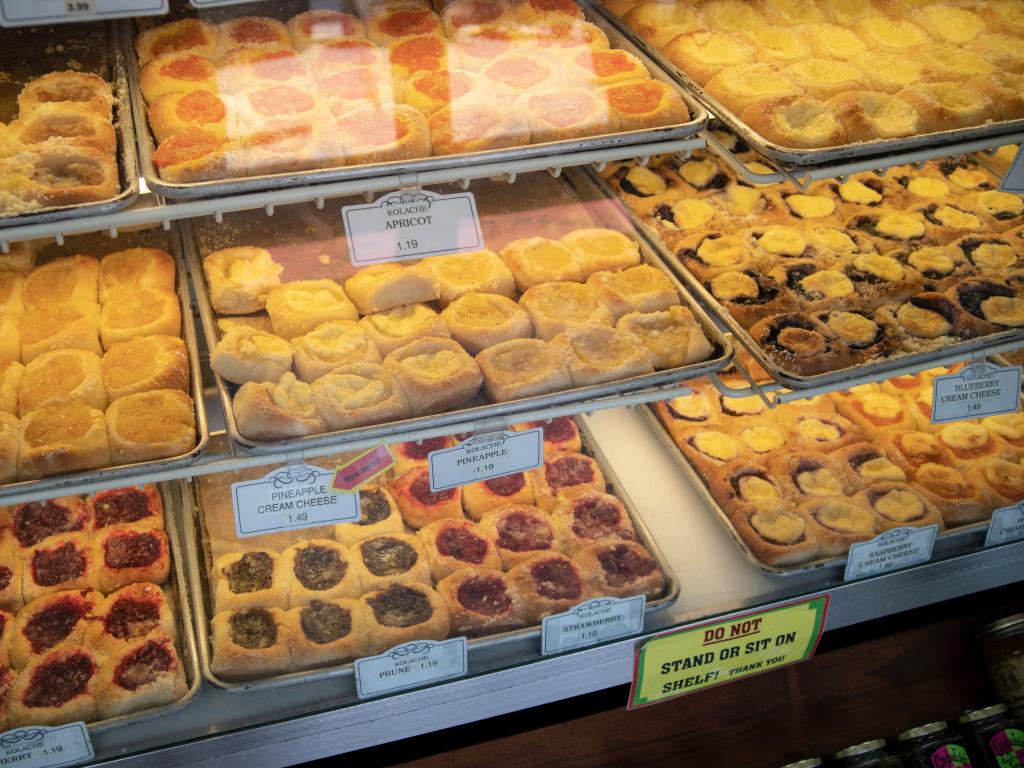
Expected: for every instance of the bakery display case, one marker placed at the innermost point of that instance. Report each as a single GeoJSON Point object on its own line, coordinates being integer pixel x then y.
{"type": "Point", "coordinates": [732, 379]}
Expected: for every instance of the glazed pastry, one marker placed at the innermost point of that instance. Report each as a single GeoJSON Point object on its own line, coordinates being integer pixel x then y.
{"type": "Point", "coordinates": [319, 569]}
{"type": "Point", "coordinates": [453, 545]}
{"type": "Point", "coordinates": [480, 498]}
{"type": "Point", "coordinates": [135, 268]}
{"type": "Point", "coordinates": [414, 455]}
{"type": "Point", "coordinates": [68, 87]}
{"type": "Point", "coordinates": [1010, 427]}
{"type": "Point", "coordinates": [1000, 210]}
{"type": "Point", "coordinates": [181, 111]}
{"type": "Point", "coordinates": [749, 295]}
{"type": "Point", "coordinates": [195, 155]}
{"type": "Point", "coordinates": [818, 432]}
{"type": "Point", "coordinates": [583, 112]}
{"type": "Point", "coordinates": [146, 674]}
{"type": "Point", "coordinates": [636, 289]}
{"type": "Point", "coordinates": [556, 307]}
{"type": "Point", "coordinates": [672, 338]}
{"type": "Point", "coordinates": [250, 643]}
{"type": "Point", "coordinates": [320, 26]}
{"type": "Point", "coordinates": [11, 576]}
{"type": "Point", "coordinates": [560, 433]}
{"type": "Point", "coordinates": [384, 286]}
{"type": "Point", "coordinates": [250, 580]}
{"type": "Point", "coordinates": [537, 260]}
{"type": "Point", "coordinates": [33, 522]}
{"type": "Point", "coordinates": [193, 35]}
{"type": "Point", "coordinates": [777, 536]}
{"type": "Point", "coordinates": [586, 516]}
{"type": "Point", "coordinates": [519, 532]}
{"type": "Point", "coordinates": [240, 279]}
{"type": "Point", "coordinates": [46, 622]}
{"type": "Point", "coordinates": [820, 208]}
{"type": "Point", "coordinates": [62, 562]}
{"type": "Point", "coordinates": [358, 394]}
{"type": "Point", "coordinates": [869, 336]}
{"type": "Point", "coordinates": [387, 134]}
{"type": "Point", "coordinates": [811, 475]}
{"type": "Point", "coordinates": [378, 514]}
{"type": "Point", "coordinates": [430, 92]}
{"type": "Point", "coordinates": [475, 126]}
{"type": "Point", "coordinates": [143, 364]}
{"type": "Point", "coordinates": [801, 344]}
{"type": "Point", "coordinates": [866, 115]}
{"type": "Point", "coordinates": [824, 78]}
{"type": "Point", "coordinates": [401, 611]}
{"type": "Point", "coordinates": [839, 522]}
{"type": "Point", "coordinates": [796, 121]}
{"type": "Point", "coordinates": [597, 354]}
{"type": "Point", "coordinates": [715, 254]}
{"type": "Point", "coordinates": [128, 554]}
{"type": "Point", "coordinates": [940, 266]}
{"type": "Point", "coordinates": [325, 633]}
{"type": "Point", "coordinates": [56, 688]}
{"type": "Point", "coordinates": [435, 374]}
{"type": "Point", "coordinates": [814, 288]}
{"type": "Point", "coordinates": [881, 279]}
{"type": "Point", "coordinates": [287, 409]}
{"type": "Point", "coordinates": [969, 443]}
{"type": "Point", "coordinates": [176, 72]}
{"type": "Point", "coordinates": [128, 615]}
{"type": "Point", "coordinates": [992, 256]}
{"type": "Point", "coordinates": [876, 413]}
{"type": "Point", "coordinates": [419, 505]}
{"type": "Point", "coordinates": [139, 313]}
{"type": "Point", "coordinates": [548, 583]}
{"type": "Point", "coordinates": [249, 354]}
{"type": "Point", "coordinates": [947, 222]}
{"type": "Point", "coordinates": [988, 306]}
{"type": "Point", "coordinates": [564, 473]}
{"type": "Point", "coordinates": [329, 346]}
{"type": "Point", "coordinates": [482, 601]}
{"type": "Point", "coordinates": [898, 504]}
{"type": "Point", "coordinates": [911, 450]}
{"type": "Point", "coordinates": [379, 560]}
{"type": "Point", "coordinates": [458, 274]}
{"type": "Point", "coordinates": [890, 229]}
{"type": "Point", "coordinates": [58, 439]}
{"type": "Point", "coordinates": [597, 249]}
{"type": "Point", "coordinates": [960, 499]}
{"type": "Point", "coordinates": [865, 464]}
{"type": "Point", "coordinates": [151, 425]}
{"type": "Point", "coordinates": [620, 569]}
{"type": "Point", "coordinates": [708, 450]}
{"type": "Point", "coordinates": [299, 307]}
{"type": "Point", "coordinates": [739, 86]}
{"type": "Point", "coordinates": [947, 106]}
{"type": "Point", "coordinates": [742, 483]}
{"type": "Point", "coordinates": [523, 368]}
{"type": "Point", "coordinates": [68, 281]}
{"type": "Point", "coordinates": [701, 54]}
{"type": "Point", "coordinates": [481, 320]}
{"type": "Point", "coordinates": [1001, 480]}
{"type": "Point", "coordinates": [927, 319]}
{"type": "Point", "coordinates": [399, 326]}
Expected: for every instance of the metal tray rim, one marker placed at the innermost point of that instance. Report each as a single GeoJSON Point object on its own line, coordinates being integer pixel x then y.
{"type": "Point", "coordinates": [712, 504]}
{"type": "Point", "coordinates": [387, 431]}
{"type": "Point", "coordinates": [556, 150]}
{"type": "Point", "coordinates": [186, 628]}
{"type": "Point", "coordinates": [196, 550]}
{"type": "Point", "coordinates": [142, 468]}
{"type": "Point", "coordinates": [807, 157]}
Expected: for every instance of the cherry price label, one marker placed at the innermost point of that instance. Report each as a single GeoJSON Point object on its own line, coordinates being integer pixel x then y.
{"type": "Point", "coordinates": [485, 457]}
{"type": "Point", "coordinates": [594, 621]}
{"type": "Point", "coordinates": [36, 746]}
{"type": "Point", "coordinates": [980, 389]}
{"type": "Point", "coordinates": [411, 665]}
{"type": "Point", "coordinates": [290, 498]}
{"type": "Point", "coordinates": [889, 551]}
{"type": "Point", "coordinates": [1007, 525]}
{"type": "Point", "coordinates": [411, 225]}
{"type": "Point", "coordinates": [23, 13]}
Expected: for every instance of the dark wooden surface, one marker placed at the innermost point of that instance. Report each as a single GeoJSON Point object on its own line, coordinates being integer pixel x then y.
{"type": "Point", "coordinates": [865, 682]}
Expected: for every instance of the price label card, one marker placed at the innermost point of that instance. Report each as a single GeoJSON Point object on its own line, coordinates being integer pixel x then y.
{"type": "Point", "coordinates": [695, 658]}
{"type": "Point", "coordinates": [412, 225]}
{"type": "Point", "coordinates": [363, 469]}
{"type": "Point", "coordinates": [36, 746]}
{"type": "Point", "coordinates": [594, 621]}
{"type": "Point", "coordinates": [289, 498]}
{"type": "Point", "coordinates": [1014, 179]}
{"type": "Point", "coordinates": [411, 665]}
{"type": "Point", "coordinates": [1007, 525]}
{"type": "Point", "coordinates": [483, 457]}
{"type": "Point", "coordinates": [977, 390]}
{"type": "Point", "coordinates": [890, 551]}
{"type": "Point", "coordinates": [22, 13]}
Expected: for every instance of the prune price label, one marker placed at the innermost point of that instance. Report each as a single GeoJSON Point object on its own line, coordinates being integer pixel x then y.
{"type": "Point", "coordinates": [411, 665]}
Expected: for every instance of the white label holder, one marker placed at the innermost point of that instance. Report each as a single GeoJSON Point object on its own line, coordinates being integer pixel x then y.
{"type": "Point", "coordinates": [37, 746]}
{"type": "Point", "coordinates": [290, 498]}
{"type": "Point", "coordinates": [1007, 525]}
{"type": "Point", "coordinates": [411, 224]}
{"type": "Point", "coordinates": [890, 551]}
{"type": "Point", "coordinates": [484, 457]}
{"type": "Point", "coordinates": [977, 390]}
{"type": "Point", "coordinates": [25, 13]}
{"type": "Point", "coordinates": [592, 622]}
{"type": "Point", "coordinates": [1013, 181]}
{"type": "Point", "coordinates": [411, 665]}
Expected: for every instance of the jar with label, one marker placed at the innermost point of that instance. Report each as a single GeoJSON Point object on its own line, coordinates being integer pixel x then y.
{"type": "Point", "coordinates": [1002, 648]}
{"type": "Point", "coordinates": [810, 762]}
{"type": "Point", "coordinates": [994, 738]}
{"type": "Point", "coordinates": [869, 754]}
{"type": "Point", "coordinates": [933, 746]}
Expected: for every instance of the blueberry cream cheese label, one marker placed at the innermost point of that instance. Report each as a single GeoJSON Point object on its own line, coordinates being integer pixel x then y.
{"type": "Point", "coordinates": [485, 457]}
{"type": "Point", "coordinates": [1007, 525]}
{"type": "Point", "coordinates": [37, 746]}
{"type": "Point", "coordinates": [979, 389]}
{"type": "Point", "coordinates": [289, 498]}
{"type": "Point", "coordinates": [597, 620]}
{"type": "Point", "coordinates": [890, 551]}
{"type": "Point", "coordinates": [411, 665]}
{"type": "Point", "coordinates": [692, 659]}
{"type": "Point", "coordinates": [411, 225]}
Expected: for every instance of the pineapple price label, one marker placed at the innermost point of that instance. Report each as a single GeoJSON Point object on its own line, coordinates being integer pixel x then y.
{"type": "Point", "coordinates": [411, 225]}
{"type": "Point", "coordinates": [980, 389]}
{"type": "Point", "coordinates": [24, 13]}
{"type": "Point", "coordinates": [485, 457]}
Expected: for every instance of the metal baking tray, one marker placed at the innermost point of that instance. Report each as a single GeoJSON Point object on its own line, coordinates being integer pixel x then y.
{"type": "Point", "coordinates": [154, 237]}
{"type": "Point", "coordinates": [806, 157]}
{"type": "Point", "coordinates": [559, 151]}
{"type": "Point", "coordinates": [791, 379]}
{"type": "Point", "coordinates": [972, 530]}
{"type": "Point", "coordinates": [574, 195]}
{"type": "Point", "coordinates": [33, 51]}
{"type": "Point", "coordinates": [199, 563]}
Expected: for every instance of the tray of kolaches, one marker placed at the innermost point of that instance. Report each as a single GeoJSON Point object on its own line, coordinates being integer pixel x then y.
{"type": "Point", "coordinates": [487, 560]}
{"type": "Point", "coordinates": [796, 485]}
{"type": "Point", "coordinates": [325, 95]}
{"type": "Point", "coordinates": [851, 277]}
